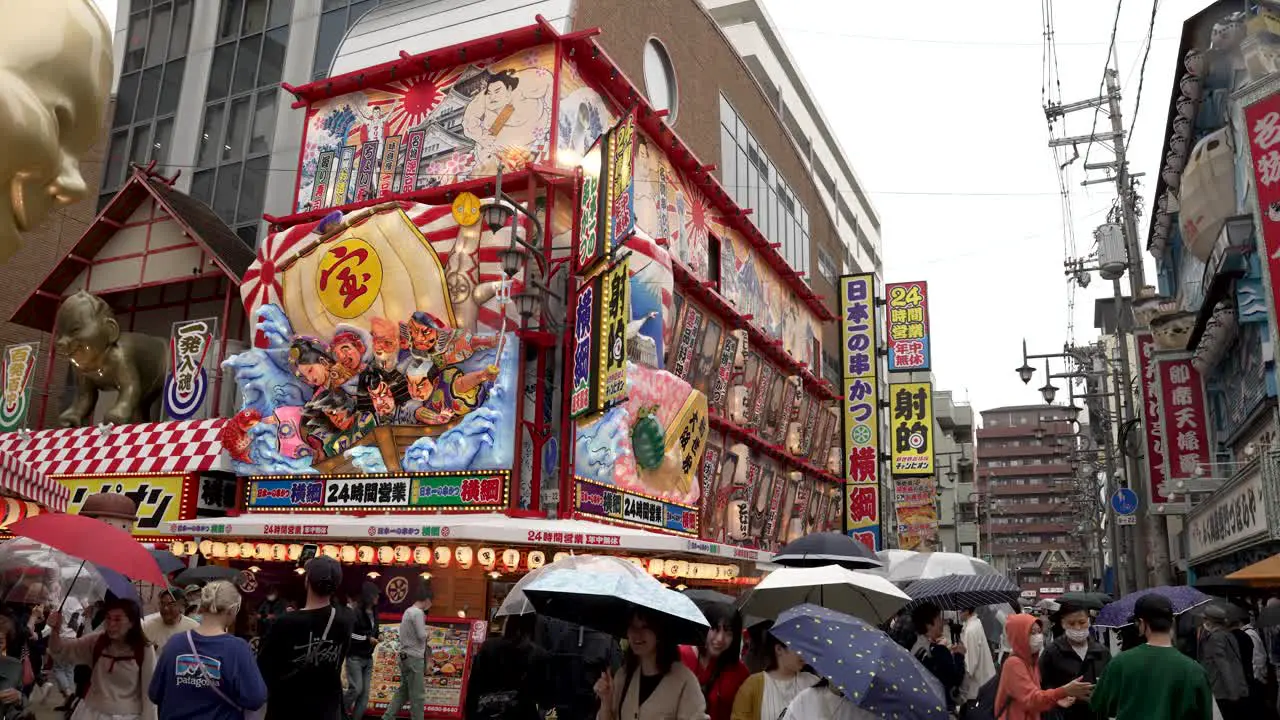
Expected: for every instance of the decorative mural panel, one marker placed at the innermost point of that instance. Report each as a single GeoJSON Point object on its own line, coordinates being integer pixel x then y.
{"type": "Point", "coordinates": [438, 128]}
{"type": "Point", "coordinates": [584, 116]}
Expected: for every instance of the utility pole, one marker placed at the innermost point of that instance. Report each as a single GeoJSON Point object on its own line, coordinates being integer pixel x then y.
{"type": "Point", "coordinates": [1152, 534]}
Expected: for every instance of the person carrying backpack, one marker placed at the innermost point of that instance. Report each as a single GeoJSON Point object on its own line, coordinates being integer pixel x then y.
{"type": "Point", "coordinates": [1019, 696]}
{"type": "Point", "coordinates": [121, 662]}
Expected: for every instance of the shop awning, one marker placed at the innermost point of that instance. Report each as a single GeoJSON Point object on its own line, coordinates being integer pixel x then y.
{"type": "Point", "coordinates": [577, 534]}
{"type": "Point", "coordinates": [21, 480]}
{"type": "Point", "coordinates": [164, 447]}
{"type": "Point", "coordinates": [1260, 574]}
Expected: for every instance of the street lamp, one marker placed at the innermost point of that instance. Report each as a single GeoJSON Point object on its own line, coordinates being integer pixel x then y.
{"type": "Point", "coordinates": [497, 215]}
{"type": "Point", "coordinates": [1038, 432]}
{"type": "Point", "coordinates": [1049, 391]}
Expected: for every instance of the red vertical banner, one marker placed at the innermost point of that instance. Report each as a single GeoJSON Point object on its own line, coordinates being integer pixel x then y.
{"type": "Point", "coordinates": [1184, 421]}
{"type": "Point", "coordinates": [1262, 123]}
{"type": "Point", "coordinates": [1151, 416]}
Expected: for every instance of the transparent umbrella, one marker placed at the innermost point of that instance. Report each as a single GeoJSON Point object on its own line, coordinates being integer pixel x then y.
{"type": "Point", "coordinates": [34, 573]}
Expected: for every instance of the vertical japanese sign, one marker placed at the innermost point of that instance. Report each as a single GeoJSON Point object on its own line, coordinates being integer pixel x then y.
{"type": "Point", "coordinates": [1146, 345]}
{"type": "Point", "coordinates": [599, 342]}
{"type": "Point", "coordinates": [187, 383]}
{"type": "Point", "coordinates": [620, 198]}
{"type": "Point", "coordinates": [1183, 420]}
{"type": "Point", "coordinates": [366, 178]}
{"type": "Point", "coordinates": [390, 155]}
{"type": "Point", "coordinates": [324, 172]}
{"type": "Point", "coordinates": [615, 311]}
{"type": "Point", "coordinates": [908, 325]}
{"type": "Point", "coordinates": [19, 369]}
{"type": "Point", "coordinates": [861, 408]}
{"type": "Point", "coordinates": [590, 222]}
{"type": "Point", "coordinates": [1262, 123]}
{"type": "Point", "coordinates": [911, 424]}
{"type": "Point", "coordinates": [412, 156]}
{"type": "Point", "coordinates": [343, 187]}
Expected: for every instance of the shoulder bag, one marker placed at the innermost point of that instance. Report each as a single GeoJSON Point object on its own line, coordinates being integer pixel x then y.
{"type": "Point", "coordinates": [258, 714]}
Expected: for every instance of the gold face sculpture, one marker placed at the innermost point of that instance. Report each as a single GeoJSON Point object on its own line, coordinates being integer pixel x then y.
{"type": "Point", "coordinates": [55, 76]}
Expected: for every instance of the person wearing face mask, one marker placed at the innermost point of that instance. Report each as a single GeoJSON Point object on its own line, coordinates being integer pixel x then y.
{"type": "Point", "coordinates": [1019, 695]}
{"type": "Point", "coordinates": [718, 662]}
{"type": "Point", "coordinates": [1074, 655]}
{"type": "Point", "coordinates": [1222, 658]}
{"type": "Point", "coordinates": [979, 667]}
{"type": "Point", "coordinates": [1154, 679]}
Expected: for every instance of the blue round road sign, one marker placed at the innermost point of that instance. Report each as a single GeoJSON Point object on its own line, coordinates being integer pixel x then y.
{"type": "Point", "coordinates": [1124, 501]}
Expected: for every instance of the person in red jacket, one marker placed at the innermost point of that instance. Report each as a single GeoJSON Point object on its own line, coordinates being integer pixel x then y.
{"type": "Point", "coordinates": [1019, 696]}
{"type": "Point", "coordinates": [718, 662]}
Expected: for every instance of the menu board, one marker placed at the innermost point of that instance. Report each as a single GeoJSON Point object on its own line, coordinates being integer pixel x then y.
{"type": "Point", "coordinates": [450, 647]}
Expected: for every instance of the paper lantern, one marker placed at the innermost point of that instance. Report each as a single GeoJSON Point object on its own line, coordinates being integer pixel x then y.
{"type": "Point", "coordinates": [655, 567]}
{"type": "Point", "coordinates": [348, 554]}
{"type": "Point", "coordinates": [386, 555]}
{"type": "Point", "coordinates": [728, 572]}
{"type": "Point", "coordinates": [402, 553]}
{"type": "Point", "coordinates": [487, 558]}
{"type": "Point", "coordinates": [560, 556]}
{"type": "Point", "coordinates": [217, 550]}
{"type": "Point", "coordinates": [365, 554]}
{"type": "Point", "coordinates": [294, 552]}
{"type": "Point", "coordinates": [464, 555]}
{"type": "Point", "coordinates": [262, 551]}
{"type": "Point", "coordinates": [536, 559]}
{"type": "Point", "coordinates": [441, 556]}
{"type": "Point", "coordinates": [510, 559]}
{"type": "Point", "coordinates": [279, 552]}
{"type": "Point", "coordinates": [383, 267]}
{"type": "Point", "coordinates": [232, 550]}
{"type": "Point", "coordinates": [329, 551]}
{"type": "Point", "coordinates": [176, 548]}
{"type": "Point", "coordinates": [205, 546]}
{"type": "Point", "coordinates": [422, 555]}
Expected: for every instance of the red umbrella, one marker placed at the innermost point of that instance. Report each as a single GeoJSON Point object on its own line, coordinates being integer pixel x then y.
{"type": "Point", "coordinates": [95, 541]}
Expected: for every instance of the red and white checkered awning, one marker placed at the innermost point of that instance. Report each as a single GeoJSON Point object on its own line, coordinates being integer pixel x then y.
{"type": "Point", "coordinates": [166, 447]}
{"type": "Point", "coordinates": [29, 483]}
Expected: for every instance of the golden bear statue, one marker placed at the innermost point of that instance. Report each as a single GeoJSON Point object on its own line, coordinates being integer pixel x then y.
{"type": "Point", "coordinates": [104, 358]}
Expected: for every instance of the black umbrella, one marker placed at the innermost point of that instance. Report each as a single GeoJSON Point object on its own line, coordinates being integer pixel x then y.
{"type": "Point", "coordinates": [205, 574]}
{"type": "Point", "coordinates": [1086, 600]}
{"type": "Point", "coordinates": [829, 548]}
{"type": "Point", "coordinates": [1270, 617]}
{"type": "Point", "coordinates": [700, 596]}
{"type": "Point", "coordinates": [963, 592]}
{"type": "Point", "coordinates": [167, 561]}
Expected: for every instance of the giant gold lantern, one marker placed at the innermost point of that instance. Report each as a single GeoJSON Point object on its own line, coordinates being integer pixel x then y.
{"type": "Point", "coordinates": [377, 264]}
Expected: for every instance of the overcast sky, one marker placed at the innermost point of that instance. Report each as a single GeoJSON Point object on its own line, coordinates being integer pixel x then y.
{"type": "Point", "coordinates": [939, 109]}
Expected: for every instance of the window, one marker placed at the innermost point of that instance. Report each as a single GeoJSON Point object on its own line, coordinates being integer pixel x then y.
{"type": "Point", "coordinates": [754, 182]}
{"type": "Point", "coordinates": [147, 96]}
{"type": "Point", "coordinates": [660, 79]}
{"type": "Point", "coordinates": [828, 268]}
{"type": "Point", "coordinates": [240, 114]}
{"type": "Point", "coordinates": [831, 368]}
{"type": "Point", "coordinates": [338, 17]}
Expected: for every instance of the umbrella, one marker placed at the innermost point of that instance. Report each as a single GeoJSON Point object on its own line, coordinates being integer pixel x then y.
{"type": "Point", "coordinates": [602, 593]}
{"type": "Point", "coordinates": [829, 548]}
{"type": "Point", "coordinates": [863, 595]}
{"type": "Point", "coordinates": [1086, 600]}
{"type": "Point", "coordinates": [167, 561]}
{"type": "Point", "coordinates": [119, 585]}
{"type": "Point", "coordinates": [961, 592]}
{"type": "Point", "coordinates": [93, 541]}
{"type": "Point", "coordinates": [42, 574]}
{"type": "Point", "coordinates": [701, 596]}
{"type": "Point", "coordinates": [516, 603]}
{"type": "Point", "coordinates": [1120, 612]}
{"type": "Point", "coordinates": [930, 565]}
{"type": "Point", "coordinates": [1262, 573]}
{"type": "Point", "coordinates": [1270, 616]}
{"type": "Point", "coordinates": [863, 663]}
{"type": "Point", "coordinates": [206, 574]}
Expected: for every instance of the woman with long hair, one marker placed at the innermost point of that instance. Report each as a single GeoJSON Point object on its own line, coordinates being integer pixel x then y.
{"type": "Point", "coordinates": [652, 683]}
{"type": "Point", "coordinates": [206, 672]}
{"type": "Point", "coordinates": [11, 642]}
{"type": "Point", "coordinates": [766, 695]}
{"type": "Point", "coordinates": [121, 662]}
{"type": "Point", "coordinates": [717, 663]}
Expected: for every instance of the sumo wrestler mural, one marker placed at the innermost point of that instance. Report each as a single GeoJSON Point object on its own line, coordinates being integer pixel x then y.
{"type": "Point", "coordinates": [365, 363]}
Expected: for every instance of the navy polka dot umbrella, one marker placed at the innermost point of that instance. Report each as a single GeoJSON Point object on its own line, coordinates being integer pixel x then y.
{"type": "Point", "coordinates": [868, 668]}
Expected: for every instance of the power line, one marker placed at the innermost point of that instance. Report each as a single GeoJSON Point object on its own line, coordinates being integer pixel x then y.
{"type": "Point", "coordinates": [1137, 103]}
{"type": "Point", "coordinates": [1111, 50]}
{"type": "Point", "coordinates": [939, 41]}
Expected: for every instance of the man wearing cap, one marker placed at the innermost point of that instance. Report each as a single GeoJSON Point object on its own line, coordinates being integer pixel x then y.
{"type": "Point", "coordinates": [1153, 680]}
{"type": "Point", "coordinates": [159, 627]}
{"type": "Point", "coordinates": [302, 655]}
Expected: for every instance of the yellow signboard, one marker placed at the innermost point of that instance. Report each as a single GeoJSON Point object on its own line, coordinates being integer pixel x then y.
{"type": "Point", "coordinates": [911, 428]}
{"type": "Point", "coordinates": [160, 498]}
{"type": "Point", "coordinates": [861, 409]}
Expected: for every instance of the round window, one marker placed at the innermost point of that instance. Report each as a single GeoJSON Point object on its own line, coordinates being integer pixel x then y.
{"type": "Point", "coordinates": [659, 78]}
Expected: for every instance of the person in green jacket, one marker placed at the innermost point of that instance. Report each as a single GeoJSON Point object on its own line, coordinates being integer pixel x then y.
{"type": "Point", "coordinates": [1153, 681]}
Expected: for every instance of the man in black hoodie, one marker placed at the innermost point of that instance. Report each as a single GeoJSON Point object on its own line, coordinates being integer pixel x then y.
{"type": "Point", "coordinates": [364, 637]}
{"type": "Point", "coordinates": [1073, 655]}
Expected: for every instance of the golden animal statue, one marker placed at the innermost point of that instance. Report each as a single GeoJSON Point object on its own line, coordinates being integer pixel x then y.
{"type": "Point", "coordinates": [104, 358]}
{"type": "Point", "coordinates": [55, 75]}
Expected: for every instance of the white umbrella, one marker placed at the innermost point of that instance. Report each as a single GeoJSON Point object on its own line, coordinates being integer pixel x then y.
{"type": "Point", "coordinates": [931, 565]}
{"type": "Point", "coordinates": [892, 559]}
{"type": "Point", "coordinates": [869, 597]}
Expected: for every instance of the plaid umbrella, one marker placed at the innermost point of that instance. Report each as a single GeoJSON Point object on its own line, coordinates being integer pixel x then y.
{"type": "Point", "coordinates": [1120, 612]}
{"type": "Point", "coordinates": [863, 663]}
{"type": "Point", "coordinates": [962, 592]}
